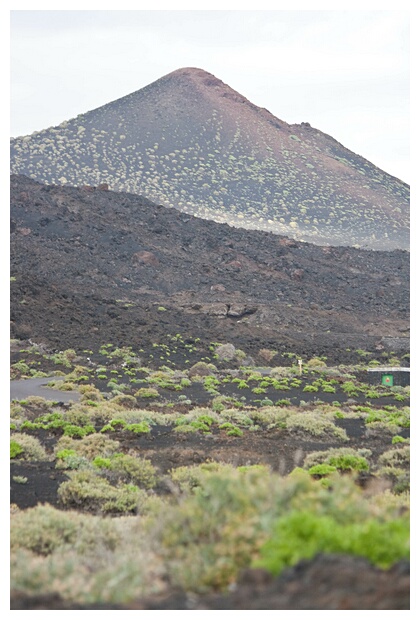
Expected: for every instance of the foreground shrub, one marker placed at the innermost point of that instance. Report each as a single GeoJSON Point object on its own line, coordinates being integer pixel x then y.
{"type": "Point", "coordinates": [213, 525]}
{"type": "Point", "coordinates": [303, 534]}
{"type": "Point", "coordinates": [219, 529]}
{"type": "Point", "coordinates": [43, 529]}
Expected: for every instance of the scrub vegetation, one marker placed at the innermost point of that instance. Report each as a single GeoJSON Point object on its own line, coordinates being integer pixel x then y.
{"type": "Point", "coordinates": [188, 481]}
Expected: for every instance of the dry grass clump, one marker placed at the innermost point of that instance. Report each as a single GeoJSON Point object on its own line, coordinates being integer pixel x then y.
{"type": "Point", "coordinates": [315, 424]}
{"type": "Point", "coordinates": [396, 457]}
{"type": "Point", "coordinates": [394, 465]}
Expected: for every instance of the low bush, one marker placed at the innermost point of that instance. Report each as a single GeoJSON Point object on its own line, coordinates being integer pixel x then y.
{"type": "Point", "coordinates": [129, 469]}
{"type": "Point", "coordinates": [88, 491]}
{"type": "Point", "coordinates": [342, 459]}
{"type": "Point", "coordinates": [15, 449]}
{"type": "Point", "coordinates": [315, 424]}
{"type": "Point", "coordinates": [231, 429]}
{"type": "Point", "coordinates": [138, 427]}
{"type": "Point", "coordinates": [124, 400]}
{"type": "Point", "coordinates": [89, 446]}
{"type": "Point", "coordinates": [28, 448]}
{"type": "Point", "coordinates": [44, 529]}
{"type": "Point", "coordinates": [147, 393]}
{"type": "Point", "coordinates": [303, 534]}
{"type": "Point", "coordinates": [322, 470]}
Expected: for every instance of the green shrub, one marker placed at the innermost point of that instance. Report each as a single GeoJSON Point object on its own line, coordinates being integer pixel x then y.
{"type": "Point", "coordinates": [231, 429]}
{"type": "Point", "coordinates": [342, 459]}
{"type": "Point", "coordinates": [101, 462]}
{"type": "Point", "coordinates": [140, 427]}
{"type": "Point", "coordinates": [390, 417]}
{"type": "Point", "coordinates": [15, 449]}
{"type": "Point", "coordinates": [350, 388]}
{"type": "Point", "coordinates": [72, 430]}
{"type": "Point", "coordinates": [19, 369]}
{"type": "Point", "coordinates": [106, 428]}
{"type": "Point", "coordinates": [219, 528]}
{"type": "Point", "coordinates": [147, 393]}
{"type": "Point", "coordinates": [303, 534]}
{"type": "Point", "coordinates": [399, 439]}
{"type": "Point", "coordinates": [63, 454]}
{"type": "Point", "coordinates": [349, 462]}
{"type": "Point", "coordinates": [185, 427]}
{"type": "Point", "coordinates": [322, 470]}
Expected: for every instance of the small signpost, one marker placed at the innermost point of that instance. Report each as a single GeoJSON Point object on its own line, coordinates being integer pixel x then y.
{"type": "Point", "coordinates": [300, 366]}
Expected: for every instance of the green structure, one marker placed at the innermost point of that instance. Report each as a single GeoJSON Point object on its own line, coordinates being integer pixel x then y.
{"type": "Point", "coordinates": [389, 375]}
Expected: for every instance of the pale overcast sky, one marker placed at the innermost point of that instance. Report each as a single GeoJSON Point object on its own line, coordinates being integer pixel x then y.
{"type": "Point", "coordinates": [346, 72]}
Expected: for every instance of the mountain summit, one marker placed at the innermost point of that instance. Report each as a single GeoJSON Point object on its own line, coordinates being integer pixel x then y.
{"type": "Point", "coordinates": [191, 142]}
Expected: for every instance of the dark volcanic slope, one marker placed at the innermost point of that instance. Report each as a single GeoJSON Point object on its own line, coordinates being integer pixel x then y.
{"type": "Point", "coordinates": [189, 141]}
{"type": "Point", "coordinates": [94, 262]}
